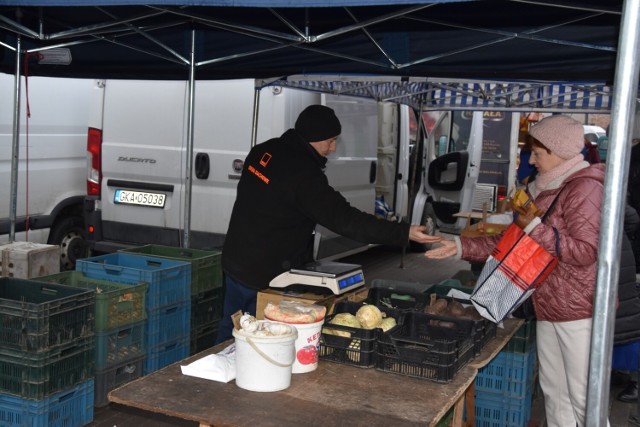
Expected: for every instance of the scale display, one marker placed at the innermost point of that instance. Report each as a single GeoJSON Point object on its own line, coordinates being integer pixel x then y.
{"type": "Point", "coordinates": [335, 276]}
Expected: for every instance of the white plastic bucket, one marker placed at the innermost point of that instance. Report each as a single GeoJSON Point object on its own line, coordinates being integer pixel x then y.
{"type": "Point", "coordinates": [264, 363]}
{"type": "Point", "coordinates": [307, 347]}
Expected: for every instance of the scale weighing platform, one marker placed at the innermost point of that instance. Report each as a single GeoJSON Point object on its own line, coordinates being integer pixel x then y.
{"type": "Point", "coordinates": [336, 276]}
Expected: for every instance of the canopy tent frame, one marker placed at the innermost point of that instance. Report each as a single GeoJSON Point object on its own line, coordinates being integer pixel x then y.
{"type": "Point", "coordinates": [149, 20]}
{"type": "Point", "coordinates": [504, 94]}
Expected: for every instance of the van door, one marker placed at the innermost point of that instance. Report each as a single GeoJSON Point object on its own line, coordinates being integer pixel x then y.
{"type": "Point", "coordinates": [351, 170]}
{"type": "Point", "coordinates": [454, 150]}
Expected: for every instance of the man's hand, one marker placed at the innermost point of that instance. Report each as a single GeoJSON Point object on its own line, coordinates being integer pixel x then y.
{"type": "Point", "coordinates": [417, 234]}
{"type": "Point", "coordinates": [447, 249]}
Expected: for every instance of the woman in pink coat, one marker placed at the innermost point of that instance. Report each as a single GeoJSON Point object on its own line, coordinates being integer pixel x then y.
{"type": "Point", "coordinates": [564, 301]}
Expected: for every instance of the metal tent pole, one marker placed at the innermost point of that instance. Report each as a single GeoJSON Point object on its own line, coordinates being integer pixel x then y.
{"type": "Point", "coordinates": [15, 154]}
{"type": "Point", "coordinates": [614, 198]}
{"type": "Point", "coordinates": [189, 152]}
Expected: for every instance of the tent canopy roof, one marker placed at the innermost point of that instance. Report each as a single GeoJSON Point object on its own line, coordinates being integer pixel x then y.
{"type": "Point", "coordinates": [498, 39]}
{"type": "Point", "coordinates": [503, 54]}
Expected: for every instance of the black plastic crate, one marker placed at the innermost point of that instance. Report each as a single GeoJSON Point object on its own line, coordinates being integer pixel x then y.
{"type": "Point", "coordinates": [351, 346]}
{"type": "Point", "coordinates": [481, 329]}
{"type": "Point", "coordinates": [115, 376]}
{"type": "Point", "coordinates": [206, 307]}
{"type": "Point", "coordinates": [37, 316]}
{"type": "Point", "coordinates": [350, 351]}
{"type": "Point", "coordinates": [397, 299]}
{"type": "Point", "coordinates": [203, 337]}
{"type": "Point", "coordinates": [418, 348]}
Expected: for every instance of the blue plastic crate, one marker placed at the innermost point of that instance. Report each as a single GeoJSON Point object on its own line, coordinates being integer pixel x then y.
{"type": "Point", "coordinates": [509, 374]}
{"type": "Point", "coordinates": [166, 354]}
{"type": "Point", "coordinates": [169, 281]}
{"type": "Point", "coordinates": [502, 411]}
{"type": "Point", "coordinates": [166, 324]}
{"type": "Point", "coordinates": [72, 407]}
{"type": "Point", "coordinates": [120, 344]}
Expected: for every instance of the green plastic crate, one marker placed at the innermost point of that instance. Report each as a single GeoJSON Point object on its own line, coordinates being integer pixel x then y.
{"type": "Point", "coordinates": [117, 304]}
{"type": "Point", "coordinates": [37, 375]}
{"type": "Point", "coordinates": [37, 316]}
{"type": "Point", "coordinates": [524, 338]}
{"type": "Point", "coordinates": [206, 266]}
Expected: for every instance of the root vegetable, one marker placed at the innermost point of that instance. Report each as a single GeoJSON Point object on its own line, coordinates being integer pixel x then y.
{"type": "Point", "coordinates": [387, 323]}
{"type": "Point", "coordinates": [342, 319]}
{"type": "Point", "coordinates": [369, 316]}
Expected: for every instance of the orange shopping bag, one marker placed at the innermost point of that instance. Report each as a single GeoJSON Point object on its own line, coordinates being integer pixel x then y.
{"type": "Point", "coordinates": [514, 269]}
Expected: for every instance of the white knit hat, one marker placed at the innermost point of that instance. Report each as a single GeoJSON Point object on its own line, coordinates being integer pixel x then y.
{"type": "Point", "coordinates": [562, 135]}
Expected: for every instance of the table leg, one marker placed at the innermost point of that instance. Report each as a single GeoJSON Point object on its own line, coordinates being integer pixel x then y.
{"type": "Point", "coordinates": [467, 400]}
{"type": "Point", "coordinates": [470, 398]}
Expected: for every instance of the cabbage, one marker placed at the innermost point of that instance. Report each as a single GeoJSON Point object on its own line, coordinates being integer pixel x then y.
{"type": "Point", "coordinates": [342, 319]}
{"type": "Point", "coordinates": [369, 316]}
{"type": "Point", "coordinates": [387, 323]}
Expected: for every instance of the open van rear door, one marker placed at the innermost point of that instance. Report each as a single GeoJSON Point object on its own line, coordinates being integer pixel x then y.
{"type": "Point", "coordinates": [351, 170]}
{"type": "Point", "coordinates": [454, 154]}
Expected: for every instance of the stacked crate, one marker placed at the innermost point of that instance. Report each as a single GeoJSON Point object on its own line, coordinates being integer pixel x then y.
{"type": "Point", "coordinates": [167, 301]}
{"type": "Point", "coordinates": [504, 388]}
{"type": "Point", "coordinates": [47, 346]}
{"type": "Point", "coordinates": [207, 292]}
{"type": "Point", "coordinates": [120, 318]}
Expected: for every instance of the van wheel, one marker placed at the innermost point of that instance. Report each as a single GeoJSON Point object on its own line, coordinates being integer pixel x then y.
{"type": "Point", "coordinates": [69, 234]}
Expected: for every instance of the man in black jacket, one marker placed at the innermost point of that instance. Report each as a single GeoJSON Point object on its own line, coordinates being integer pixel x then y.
{"type": "Point", "coordinates": [282, 194]}
{"type": "Point", "coordinates": [627, 322]}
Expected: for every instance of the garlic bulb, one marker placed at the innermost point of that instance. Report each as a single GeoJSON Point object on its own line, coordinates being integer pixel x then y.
{"type": "Point", "coordinates": [248, 323]}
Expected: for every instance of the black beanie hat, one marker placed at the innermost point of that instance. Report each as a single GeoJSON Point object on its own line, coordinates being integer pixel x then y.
{"type": "Point", "coordinates": [317, 123]}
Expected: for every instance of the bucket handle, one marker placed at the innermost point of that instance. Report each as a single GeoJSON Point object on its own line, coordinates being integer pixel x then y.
{"type": "Point", "coordinates": [266, 356]}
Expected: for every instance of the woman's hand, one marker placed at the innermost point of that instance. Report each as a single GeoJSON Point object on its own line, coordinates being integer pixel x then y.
{"type": "Point", "coordinates": [417, 233]}
{"type": "Point", "coordinates": [446, 249]}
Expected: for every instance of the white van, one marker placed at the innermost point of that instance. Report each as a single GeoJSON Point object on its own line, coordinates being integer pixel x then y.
{"type": "Point", "coordinates": [51, 177]}
{"type": "Point", "coordinates": [138, 152]}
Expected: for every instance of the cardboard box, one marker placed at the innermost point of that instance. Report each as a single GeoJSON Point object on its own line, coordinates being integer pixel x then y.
{"type": "Point", "coordinates": [26, 260]}
{"type": "Point", "coordinates": [483, 228]}
{"type": "Point", "coordinates": [475, 228]}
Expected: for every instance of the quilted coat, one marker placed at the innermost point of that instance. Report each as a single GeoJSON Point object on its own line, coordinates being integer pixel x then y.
{"type": "Point", "coordinates": [568, 292]}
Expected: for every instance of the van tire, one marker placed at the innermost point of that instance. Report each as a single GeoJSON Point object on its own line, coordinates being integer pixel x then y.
{"type": "Point", "coordinates": [68, 233]}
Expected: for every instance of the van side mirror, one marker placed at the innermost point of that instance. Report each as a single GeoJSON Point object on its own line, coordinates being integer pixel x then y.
{"type": "Point", "coordinates": [448, 172]}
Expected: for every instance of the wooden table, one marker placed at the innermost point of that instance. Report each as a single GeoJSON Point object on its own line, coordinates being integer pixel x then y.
{"type": "Point", "coordinates": [333, 394]}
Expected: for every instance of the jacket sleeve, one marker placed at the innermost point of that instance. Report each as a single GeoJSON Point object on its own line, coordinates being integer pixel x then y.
{"type": "Point", "coordinates": [330, 209]}
{"type": "Point", "coordinates": [478, 249]}
{"type": "Point", "coordinates": [576, 219]}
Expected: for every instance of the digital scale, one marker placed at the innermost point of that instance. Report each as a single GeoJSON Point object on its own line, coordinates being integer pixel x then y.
{"type": "Point", "coordinates": [336, 276]}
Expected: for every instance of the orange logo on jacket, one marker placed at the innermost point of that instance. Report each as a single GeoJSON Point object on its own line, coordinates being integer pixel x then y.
{"type": "Point", "coordinates": [264, 161]}
{"type": "Point", "coordinates": [258, 174]}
